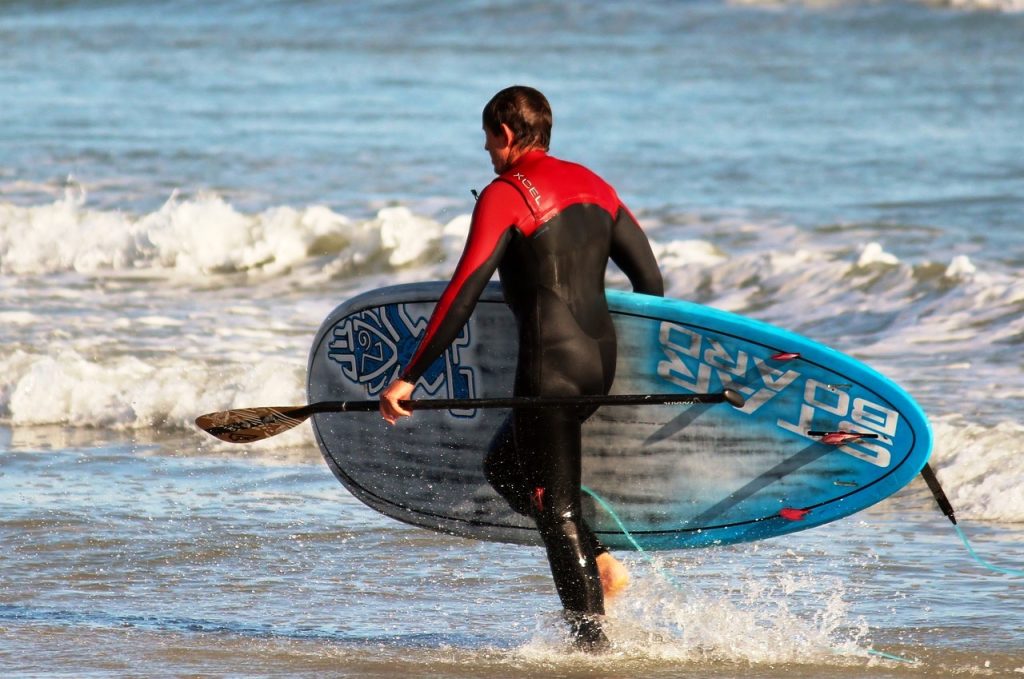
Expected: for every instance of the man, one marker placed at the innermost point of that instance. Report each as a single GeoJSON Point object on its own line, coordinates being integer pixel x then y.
{"type": "Point", "coordinates": [549, 227]}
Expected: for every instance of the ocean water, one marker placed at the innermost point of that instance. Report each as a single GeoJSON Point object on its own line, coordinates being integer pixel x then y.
{"type": "Point", "coordinates": [187, 189]}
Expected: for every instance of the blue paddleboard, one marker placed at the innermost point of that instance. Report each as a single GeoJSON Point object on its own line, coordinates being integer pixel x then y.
{"type": "Point", "coordinates": [821, 435]}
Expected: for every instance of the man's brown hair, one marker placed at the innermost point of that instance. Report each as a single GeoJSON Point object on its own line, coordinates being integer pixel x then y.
{"type": "Point", "coordinates": [526, 112]}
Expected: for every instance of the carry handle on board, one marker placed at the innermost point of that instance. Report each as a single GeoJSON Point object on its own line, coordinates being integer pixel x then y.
{"type": "Point", "coordinates": [246, 425]}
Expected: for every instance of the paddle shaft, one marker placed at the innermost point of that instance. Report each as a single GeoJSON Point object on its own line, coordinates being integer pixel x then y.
{"type": "Point", "coordinates": [522, 402]}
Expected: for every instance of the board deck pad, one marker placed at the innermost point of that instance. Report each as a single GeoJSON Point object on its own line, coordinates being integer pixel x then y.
{"type": "Point", "coordinates": [675, 476]}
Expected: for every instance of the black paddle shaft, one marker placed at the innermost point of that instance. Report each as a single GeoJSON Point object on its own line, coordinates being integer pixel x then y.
{"type": "Point", "coordinates": [727, 396]}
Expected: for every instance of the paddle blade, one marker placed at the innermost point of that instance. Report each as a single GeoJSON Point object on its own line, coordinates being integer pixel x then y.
{"type": "Point", "coordinates": [246, 425]}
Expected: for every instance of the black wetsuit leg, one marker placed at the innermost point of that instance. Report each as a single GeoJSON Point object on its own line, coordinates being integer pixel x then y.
{"type": "Point", "coordinates": [534, 463]}
{"type": "Point", "coordinates": [504, 471]}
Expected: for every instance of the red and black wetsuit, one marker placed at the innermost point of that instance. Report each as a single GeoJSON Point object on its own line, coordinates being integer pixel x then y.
{"type": "Point", "coordinates": [549, 227]}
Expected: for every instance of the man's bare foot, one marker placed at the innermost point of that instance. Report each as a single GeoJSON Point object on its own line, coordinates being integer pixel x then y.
{"type": "Point", "coordinates": [614, 576]}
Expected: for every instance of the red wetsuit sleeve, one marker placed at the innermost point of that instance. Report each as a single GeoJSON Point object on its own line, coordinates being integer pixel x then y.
{"type": "Point", "coordinates": [497, 213]}
{"type": "Point", "coordinates": [631, 251]}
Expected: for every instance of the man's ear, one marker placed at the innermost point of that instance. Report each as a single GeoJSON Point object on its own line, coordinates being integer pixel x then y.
{"type": "Point", "coordinates": [508, 136]}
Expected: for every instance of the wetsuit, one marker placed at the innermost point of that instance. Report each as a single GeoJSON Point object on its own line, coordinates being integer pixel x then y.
{"type": "Point", "coordinates": [549, 227]}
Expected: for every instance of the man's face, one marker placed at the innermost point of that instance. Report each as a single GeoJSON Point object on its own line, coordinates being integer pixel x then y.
{"type": "Point", "coordinates": [497, 147]}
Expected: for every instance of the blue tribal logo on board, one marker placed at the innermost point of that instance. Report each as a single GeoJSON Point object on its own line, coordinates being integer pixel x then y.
{"type": "Point", "coordinates": [372, 345]}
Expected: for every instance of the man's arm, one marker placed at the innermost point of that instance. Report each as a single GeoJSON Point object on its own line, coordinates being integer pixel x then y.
{"type": "Point", "coordinates": [489, 234]}
{"type": "Point", "coordinates": [631, 252]}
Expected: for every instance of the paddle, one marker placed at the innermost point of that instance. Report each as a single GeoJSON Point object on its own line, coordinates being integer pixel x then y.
{"type": "Point", "coordinates": [246, 425]}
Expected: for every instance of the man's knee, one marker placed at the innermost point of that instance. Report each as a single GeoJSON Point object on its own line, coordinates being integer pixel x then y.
{"type": "Point", "coordinates": [554, 517]}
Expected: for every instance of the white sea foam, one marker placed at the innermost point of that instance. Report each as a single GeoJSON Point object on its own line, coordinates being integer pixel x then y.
{"type": "Point", "coordinates": [18, 317]}
{"type": "Point", "coordinates": [872, 253]}
{"type": "Point", "coordinates": [676, 611]}
{"type": "Point", "coordinates": [205, 236]}
{"type": "Point", "coordinates": [66, 388]}
{"type": "Point", "coordinates": [948, 306]}
{"type": "Point", "coordinates": [981, 468]}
